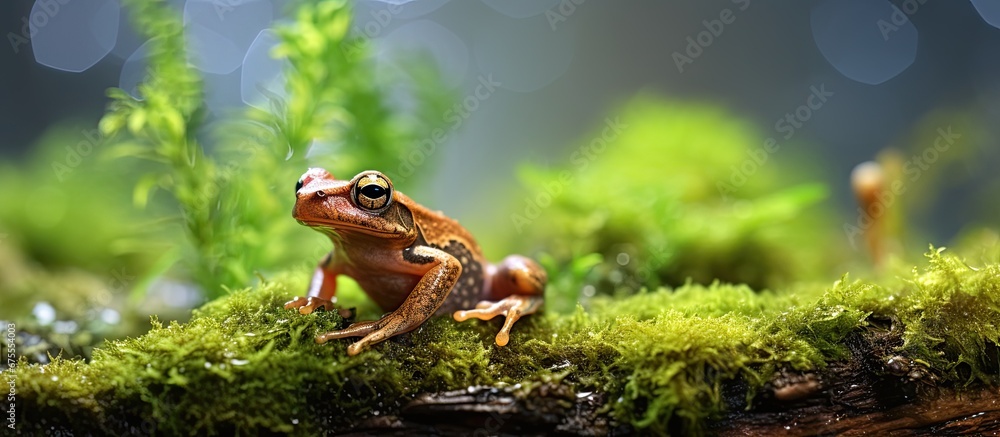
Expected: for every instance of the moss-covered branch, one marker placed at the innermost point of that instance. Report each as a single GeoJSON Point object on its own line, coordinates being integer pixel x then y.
{"type": "Point", "coordinates": [660, 361]}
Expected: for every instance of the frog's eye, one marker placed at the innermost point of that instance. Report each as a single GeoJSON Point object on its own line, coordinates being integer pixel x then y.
{"type": "Point", "coordinates": [372, 192]}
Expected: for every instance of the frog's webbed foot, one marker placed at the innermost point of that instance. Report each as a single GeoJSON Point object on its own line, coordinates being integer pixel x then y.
{"type": "Point", "coordinates": [372, 332]}
{"type": "Point", "coordinates": [307, 305]}
{"type": "Point", "coordinates": [512, 308]}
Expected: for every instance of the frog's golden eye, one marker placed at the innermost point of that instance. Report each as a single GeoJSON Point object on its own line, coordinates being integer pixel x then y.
{"type": "Point", "coordinates": [372, 192]}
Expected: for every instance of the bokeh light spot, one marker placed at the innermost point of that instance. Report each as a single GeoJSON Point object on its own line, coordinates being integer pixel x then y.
{"type": "Point", "coordinates": [865, 40]}
{"type": "Point", "coordinates": [410, 9]}
{"type": "Point", "coordinates": [211, 52]}
{"type": "Point", "coordinates": [134, 70]}
{"type": "Point", "coordinates": [523, 55]}
{"type": "Point", "coordinates": [261, 71]}
{"type": "Point", "coordinates": [220, 31]}
{"type": "Point", "coordinates": [423, 37]}
{"type": "Point", "coordinates": [222, 92]}
{"type": "Point", "coordinates": [75, 35]}
{"type": "Point", "coordinates": [521, 8]}
{"type": "Point", "coordinates": [989, 10]}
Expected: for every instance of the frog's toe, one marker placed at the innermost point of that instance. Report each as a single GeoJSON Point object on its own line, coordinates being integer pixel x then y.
{"type": "Point", "coordinates": [306, 305]}
{"type": "Point", "coordinates": [298, 302]}
{"type": "Point", "coordinates": [511, 307]}
{"type": "Point", "coordinates": [485, 310]}
{"type": "Point", "coordinates": [372, 332]}
{"type": "Point", "coordinates": [359, 329]}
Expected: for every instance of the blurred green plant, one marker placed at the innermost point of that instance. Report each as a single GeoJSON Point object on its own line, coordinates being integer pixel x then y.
{"type": "Point", "coordinates": [234, 212]}
{"type": "Point", "coordinates": [666, 197]}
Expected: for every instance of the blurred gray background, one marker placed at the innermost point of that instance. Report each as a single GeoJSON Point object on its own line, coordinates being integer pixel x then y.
{"type": "Point", "coordinates": [564, 65]}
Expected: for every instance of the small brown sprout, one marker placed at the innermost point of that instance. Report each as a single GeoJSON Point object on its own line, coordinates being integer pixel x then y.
{"type": "Point", "coordinates": [869, 184]}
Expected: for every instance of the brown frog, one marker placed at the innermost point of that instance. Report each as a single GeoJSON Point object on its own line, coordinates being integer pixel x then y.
{"type": "Point", "coordinates": [413, 262]}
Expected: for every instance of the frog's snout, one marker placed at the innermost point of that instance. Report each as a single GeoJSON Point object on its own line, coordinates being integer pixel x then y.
{"type": "Point", "coordinates": [311, 175]}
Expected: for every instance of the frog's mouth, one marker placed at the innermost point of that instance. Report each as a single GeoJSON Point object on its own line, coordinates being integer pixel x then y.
{"type": "Point", "coordinates": [337, 227]}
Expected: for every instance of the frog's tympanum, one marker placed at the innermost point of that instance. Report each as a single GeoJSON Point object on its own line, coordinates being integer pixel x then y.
{"type": "Point", "coordinates": [413, 262]}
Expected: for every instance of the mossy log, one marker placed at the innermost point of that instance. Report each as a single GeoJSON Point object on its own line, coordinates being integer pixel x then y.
{"type": "Point", "coordinates": [859, 396]}
{"type": "Point", "coordinates": [917, 356]}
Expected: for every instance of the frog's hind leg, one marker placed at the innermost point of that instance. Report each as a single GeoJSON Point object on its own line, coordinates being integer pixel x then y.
{"type": "Point", "coordinates": [518, 283]}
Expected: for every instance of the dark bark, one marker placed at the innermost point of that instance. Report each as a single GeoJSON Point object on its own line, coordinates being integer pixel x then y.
{"type": "Point", "coordinates": [873, 392]}
{"type": "Point", "coordinates": [843, 407]}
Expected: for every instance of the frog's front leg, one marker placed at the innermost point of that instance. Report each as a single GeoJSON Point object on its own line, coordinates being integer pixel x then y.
{"type": "Point", "coordinates": [420, 304]}
{"type": "Point", "coordinates": [322, 289]}
{"type": "Point", "coordinates": [515, 289]}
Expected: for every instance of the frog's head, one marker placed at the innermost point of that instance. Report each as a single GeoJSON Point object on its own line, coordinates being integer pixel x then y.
{"type": "Point", "coordinates": [365, 205]}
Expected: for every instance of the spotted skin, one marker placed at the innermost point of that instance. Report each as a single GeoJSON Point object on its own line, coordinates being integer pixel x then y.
{"type": "Point", "coordinates": [468, 290]}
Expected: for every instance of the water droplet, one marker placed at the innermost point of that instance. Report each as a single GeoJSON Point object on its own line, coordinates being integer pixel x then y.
{"type": "Point", "coordinates": [44, 313]}
{"type": "Point", "coordinates": [64, 327]}
{"type": "Point", "coordinates": [110, 316]}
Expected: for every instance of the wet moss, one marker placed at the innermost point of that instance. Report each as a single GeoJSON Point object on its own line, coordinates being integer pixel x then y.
{"type": "Point", "coordinates": [662, 357]}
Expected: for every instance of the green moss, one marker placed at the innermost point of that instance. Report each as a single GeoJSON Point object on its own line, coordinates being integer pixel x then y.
{"type": "Point", "coordinates": [719, 208]}
{"type": "Point", "coordinates": [243, 363]}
